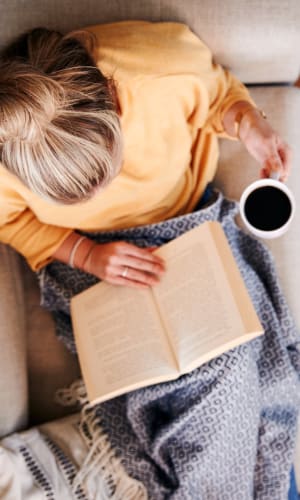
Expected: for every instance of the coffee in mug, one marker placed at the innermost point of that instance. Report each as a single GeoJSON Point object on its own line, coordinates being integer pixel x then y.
{"type": "Point", "coordinates": [267, 208]}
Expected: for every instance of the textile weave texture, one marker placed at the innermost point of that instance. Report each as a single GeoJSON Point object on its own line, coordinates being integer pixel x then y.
{"type": "Point", "coordinates": [225, 431]}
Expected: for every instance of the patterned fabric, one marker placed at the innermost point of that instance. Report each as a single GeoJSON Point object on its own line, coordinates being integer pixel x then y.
{"type": "Point", "coordinates": [227, 429]}
{"type": "Point", "coordinates": [34, 467]}
{"type": "Point", "coordinates": [58, 461]}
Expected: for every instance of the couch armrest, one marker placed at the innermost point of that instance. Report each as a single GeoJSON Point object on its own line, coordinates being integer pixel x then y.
{"type": "Point", "coordinates": [13, 369]}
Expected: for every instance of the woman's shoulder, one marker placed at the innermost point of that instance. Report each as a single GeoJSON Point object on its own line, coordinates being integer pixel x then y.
{"type": "Point", "coordinates": [130, 48]}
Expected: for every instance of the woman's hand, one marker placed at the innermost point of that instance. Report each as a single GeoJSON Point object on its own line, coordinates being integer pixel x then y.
{"type": "Point", "coordinates": [121, 263]}
{"type": "Point", "coordinates": [265, 144]}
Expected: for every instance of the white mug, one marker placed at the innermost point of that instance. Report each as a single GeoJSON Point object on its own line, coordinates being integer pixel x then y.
{"type": "Point", "coordinates": [267, 207]}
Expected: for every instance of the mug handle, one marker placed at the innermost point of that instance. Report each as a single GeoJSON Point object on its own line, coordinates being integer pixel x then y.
{"type": "Point", "coordinates": [275, 176]}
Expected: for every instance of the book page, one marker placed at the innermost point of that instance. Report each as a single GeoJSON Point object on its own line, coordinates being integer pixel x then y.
{"type": "Point", "coordinates": [120, 340]}
{"type": "Point", "coordinates": [235, 280]}
{"type": "Point", "coordinates": [196, 300]}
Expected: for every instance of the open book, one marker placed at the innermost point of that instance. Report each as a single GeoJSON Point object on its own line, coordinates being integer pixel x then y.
{"type": "Point", "coordinates": [128, 338]}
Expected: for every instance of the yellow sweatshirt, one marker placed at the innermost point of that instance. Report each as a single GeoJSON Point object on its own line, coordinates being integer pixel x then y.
{"type": "Point", "coordinates": [172, 98]}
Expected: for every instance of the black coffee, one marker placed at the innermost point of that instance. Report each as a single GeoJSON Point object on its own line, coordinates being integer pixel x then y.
{"type": "Point", "coordinates": [267, 208]}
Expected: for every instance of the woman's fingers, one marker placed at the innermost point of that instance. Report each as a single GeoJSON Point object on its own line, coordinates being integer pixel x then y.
{"type": "Point", "coordinates": [150, 266]}
{"type": "Point", "coordinates": [118, 280]}
{"type": "Point", "coordinates": [136, 275]}
{"type": "Point", "coordinates": [265, 145]}
{"type": "Point", "coordinates": [285, 154]}
{"type": "Point", "coordinates": [140, 265]}
{"type": "Point", "coordinates": [142, 261]}
{"type": "Point", "coordinates": [142, 253]}
{"type": "Point", "coordinates": [273, 165]}
{"type": "Point", "coordinates": [279, 161]}
{"type": "Point", "coordinates": [125, 264]}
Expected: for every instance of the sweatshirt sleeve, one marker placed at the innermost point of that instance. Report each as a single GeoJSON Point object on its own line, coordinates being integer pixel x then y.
{"type": "Point", "coordinates": [21, 229]}
{"type": "Point", "coordinates": [223, 93]}
{"type": "Point", "coordinates": [223, 88]}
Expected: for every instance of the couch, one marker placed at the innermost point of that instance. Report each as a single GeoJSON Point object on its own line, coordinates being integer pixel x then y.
{"type": "Point", "coordinates": [259, 41]}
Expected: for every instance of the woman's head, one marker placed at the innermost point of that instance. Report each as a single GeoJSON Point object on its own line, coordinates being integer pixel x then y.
{"type": "Point", "coordinates": [59, 128]}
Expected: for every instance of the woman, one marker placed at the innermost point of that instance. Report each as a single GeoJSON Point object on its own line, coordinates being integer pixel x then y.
{"type": "Point", "coordinates": [61, 138]}
{"type": "Point", "coordinates": [105, 136]}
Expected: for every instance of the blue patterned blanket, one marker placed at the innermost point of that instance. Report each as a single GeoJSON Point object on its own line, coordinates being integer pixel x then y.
{"type": "Point", "coordinates": [227, 429]}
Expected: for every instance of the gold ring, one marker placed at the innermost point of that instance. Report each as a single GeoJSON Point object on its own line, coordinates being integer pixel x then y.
{"type": "Point", "coordinates": [124, 273]}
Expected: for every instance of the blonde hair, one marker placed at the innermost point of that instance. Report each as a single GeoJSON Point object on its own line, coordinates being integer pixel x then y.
{"type": "Point", "coordinates": [59, 127]}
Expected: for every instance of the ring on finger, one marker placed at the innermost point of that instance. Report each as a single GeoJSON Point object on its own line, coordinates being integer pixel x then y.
{"type": "Point", "coordinates": [124, 273]}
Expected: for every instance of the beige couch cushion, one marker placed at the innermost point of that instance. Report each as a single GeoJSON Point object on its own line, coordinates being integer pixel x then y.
{"type": "Point", "coordinates": [237, 169]}
{"type": "Point", "coordinates": [50, 365]}
{"type": "Point", "coordinates": [250, 38]}
{"type": "Point", "coordinates": [13, 380]}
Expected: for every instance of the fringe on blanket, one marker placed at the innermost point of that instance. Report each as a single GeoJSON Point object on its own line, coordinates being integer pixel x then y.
{"type": "Point", "coordinates": [115, 484]}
